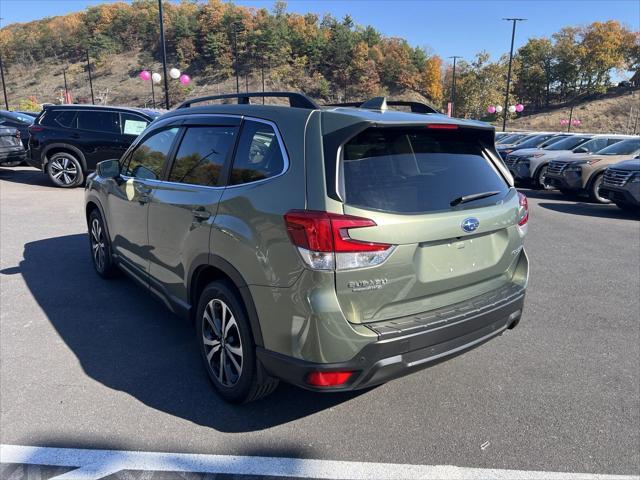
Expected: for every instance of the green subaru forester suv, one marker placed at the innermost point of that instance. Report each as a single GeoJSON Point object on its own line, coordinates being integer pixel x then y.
{"type": "Point", "coordinates": [333, 248]}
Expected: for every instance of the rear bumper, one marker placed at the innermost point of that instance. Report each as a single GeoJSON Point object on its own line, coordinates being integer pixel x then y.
{"type": "Point", "coordinates": [408, 345]}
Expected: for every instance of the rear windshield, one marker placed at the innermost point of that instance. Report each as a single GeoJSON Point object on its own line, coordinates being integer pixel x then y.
{"type": "Point", "coordinates": [416, 171]}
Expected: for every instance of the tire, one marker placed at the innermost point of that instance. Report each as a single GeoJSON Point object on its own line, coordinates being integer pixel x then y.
{"type": "Point", "coordinates": [64, 170]}
{"type": "Point", "coordinates": [594, 190]}
{"type": "Point", "coordinates": [100, 247]}
{"type": "Point", "coordinates": [229, 357]}
{"type": "Point", "coordinates": [541, 175]}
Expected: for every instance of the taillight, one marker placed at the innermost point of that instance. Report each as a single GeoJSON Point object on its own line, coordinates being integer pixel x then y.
{"type": "Point", "coordinates": [324, 243]}
{"type": "Point", "coordinates": [35, 129]}
{"type": "Point", "coordinates": [18, 134]}
{"type": "Point", "coordinates": [523, 211]}
{"type": "Point", "coordinates": [442, 126]}
{"type": "Point", "coordinates": [328, 379]}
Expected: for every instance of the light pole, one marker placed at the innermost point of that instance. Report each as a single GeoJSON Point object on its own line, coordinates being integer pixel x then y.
{"type": "Point", "coordinates": [506, 98]}
{"type": "Point", "coordinates": [164, 57]}
{"type": "Point", "coordinates": [235, 54]}
{"type": "Point", "coordinates": [66, 90]}
{"type": "Point", "coordinates": [93, 100]}
{"type": "Point", "coordinates": [453, 86]}
{"type": "Point", "coordinates": [4, 86]}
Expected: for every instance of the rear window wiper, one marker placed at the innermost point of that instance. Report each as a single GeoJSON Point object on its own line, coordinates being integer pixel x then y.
{"type": "Point", "coordinates": [472, 197]}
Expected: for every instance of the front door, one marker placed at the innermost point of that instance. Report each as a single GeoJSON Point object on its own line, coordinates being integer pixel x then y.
{"type": "Point", "coordinates": [130, 196]}
{"type": "Point", "coordinates": [183, 208]}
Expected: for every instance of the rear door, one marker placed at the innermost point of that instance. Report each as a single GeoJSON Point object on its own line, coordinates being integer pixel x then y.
{"type": "Point", "coordinates": [129, 197]}
{"type": "Point", "coordinates": [183, 207]}
{"type": "Point", "coordinates": [98, 136]}
{"type": "Point", "coordinates": [412, 182]}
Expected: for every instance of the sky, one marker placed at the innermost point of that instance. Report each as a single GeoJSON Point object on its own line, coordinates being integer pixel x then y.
{"type": "Point", "coordinates": [453, 27]}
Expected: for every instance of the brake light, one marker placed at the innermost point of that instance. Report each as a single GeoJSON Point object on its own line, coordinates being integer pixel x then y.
{"type": "Point", "coordinates": [324, 243]}
{"type": "Point", "coordinates": [18, 134]}
{"type": "Point", "coordinates": [328, 379]}
{"type": "Point", "coordinates": [523, 211]}
{"type": "Point", "coordinates": [35, 129]}
{"type": "Point", "coordinates": [442, 126]}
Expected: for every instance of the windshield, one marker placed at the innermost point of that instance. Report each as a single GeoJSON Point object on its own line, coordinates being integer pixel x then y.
{"type": "Point", "coordinates": [552, 140]}
{"type": "Point", "coordinates": [513, 139]}
{"type": "Point", "coordinates": [568, 143]}
{"type": "Point", "coordinates": [626, 147]}
{"type": "Point", "coordinates": [408, 170]}
{"type": "Point", "coordinates": [533, 141]}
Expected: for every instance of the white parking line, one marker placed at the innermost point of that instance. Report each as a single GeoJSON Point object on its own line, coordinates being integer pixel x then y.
{"type": "Point", "coordinates": [94, 464]}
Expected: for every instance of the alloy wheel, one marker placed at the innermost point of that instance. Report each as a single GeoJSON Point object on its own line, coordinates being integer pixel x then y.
{"type": "Point", "coordinates": [222, 342]}
{"type": "Point", "coordinates": [596, 191]}
{"type": "Point", "coordinates": [98, 244]}
{"type": "Point", "coordinates": [64, 171]}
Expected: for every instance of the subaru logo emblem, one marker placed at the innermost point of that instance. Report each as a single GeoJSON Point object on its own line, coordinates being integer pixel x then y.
{"type": "Point", "coordinates": [470, 224]}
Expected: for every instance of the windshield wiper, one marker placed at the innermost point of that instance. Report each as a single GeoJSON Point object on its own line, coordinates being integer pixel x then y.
{"type": "Point", "coordinates": [472, 197]}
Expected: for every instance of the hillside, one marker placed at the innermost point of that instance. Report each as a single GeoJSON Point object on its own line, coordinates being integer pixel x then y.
{"type": "Point", "coordinates": [615, 113]}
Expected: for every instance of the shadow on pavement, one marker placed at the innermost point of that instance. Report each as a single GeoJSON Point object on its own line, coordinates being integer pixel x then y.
{"type": "Point", "coordinates": [128, 341]}
{"type": "Point", "coordinates": [592, 210]}
{"type": "Point", "coordinates": [25, 175]}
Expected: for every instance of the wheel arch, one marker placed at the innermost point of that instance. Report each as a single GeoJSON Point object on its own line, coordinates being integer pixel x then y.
{"type": "Point", "coordinates": [217, 268]}
{"type": "Point", "coordinates": [54, 148]}
{"type": "Point", "coordinates": [594, 175]}
{"type": "Point", "coordinates": [94, 204]}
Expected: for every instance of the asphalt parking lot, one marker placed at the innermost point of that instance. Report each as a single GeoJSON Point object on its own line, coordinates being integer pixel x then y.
{"type": "Point", "coordinates": [86, 363]}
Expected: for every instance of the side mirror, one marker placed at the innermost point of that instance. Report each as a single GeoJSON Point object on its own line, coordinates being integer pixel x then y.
{"type": "Point", "coordinates": [581, 150]}
{"type": "Point", "coordinates": [109, 168]}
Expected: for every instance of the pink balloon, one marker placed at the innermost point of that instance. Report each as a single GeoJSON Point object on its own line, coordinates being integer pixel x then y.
{"type": "Point", "coordinates": [185, 79]}
{"type": "Point", "coordinates": [519, 107]}
{"type": "Point", "coordinates": [145, 75]}
{"type": "Point", "coordinates": [563, 122]}
{"type": "Point", "coordinates": [491, 109]}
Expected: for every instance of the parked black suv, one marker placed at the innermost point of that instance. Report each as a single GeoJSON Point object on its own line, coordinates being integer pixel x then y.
{"type": "Point", "coordinates": [67, 141]}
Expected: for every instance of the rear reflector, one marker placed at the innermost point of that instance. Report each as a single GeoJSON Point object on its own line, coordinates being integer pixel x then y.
{"type": "Point", "coordinates": [442, 126]}
{"type": "Point", "coordinates": [35, 129]}
{"type": "Point", "coordinates": [328, 379]}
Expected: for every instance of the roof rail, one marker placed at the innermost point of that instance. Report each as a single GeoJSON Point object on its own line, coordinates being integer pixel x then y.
{"type": "Point", "coordinates": [379, 103]}
{"type": "Point", "coordinates": [298, 100]}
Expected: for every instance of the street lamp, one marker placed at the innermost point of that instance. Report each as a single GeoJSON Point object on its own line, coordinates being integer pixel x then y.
{"type": "Point", "coordinates": [506, 98]}
{"type": "Point", "coordinates": [453, 86]}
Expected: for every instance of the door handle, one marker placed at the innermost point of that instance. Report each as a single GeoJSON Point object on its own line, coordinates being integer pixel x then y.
{"type": "Point", "coordinates": [200, 214]}
{"type": "Point", "coordinates": [141, 189]}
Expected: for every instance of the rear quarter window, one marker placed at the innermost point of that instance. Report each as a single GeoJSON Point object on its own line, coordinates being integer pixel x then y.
{"type": "Point", "coordinates": [416, 171]}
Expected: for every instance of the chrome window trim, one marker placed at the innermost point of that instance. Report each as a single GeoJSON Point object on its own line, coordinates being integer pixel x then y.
{"type": "Point", "coordinates": [285, 154]}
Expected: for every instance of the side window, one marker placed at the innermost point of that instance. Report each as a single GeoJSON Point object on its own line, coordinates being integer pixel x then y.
{"type": "Point", "coordinates": [258, 155]}
{"type": "Point", "coordinates": [611, 141]}
{"type": "Point", "coordinates": [132, 124]}
{"type": "Point", "coordinates": [202, 154]}
{"type": "Point", "coordinates": [62, 118]}
{"type": "Point", "coordinates": [597, 144]}
{"type": "Point", "coordinates": [148, 158]}
{"type": "Point", "coordinates": [99, 121]}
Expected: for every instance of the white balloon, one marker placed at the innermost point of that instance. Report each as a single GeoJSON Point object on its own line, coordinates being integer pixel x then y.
{"type": "Point", "coordinates": [156, 77]}
{"type": "Point", "coordinates": [174, 73]}
{"type": "Point", "coordinates": [512, 109]}
{"type": "Point", "coordinates": [498, 108]}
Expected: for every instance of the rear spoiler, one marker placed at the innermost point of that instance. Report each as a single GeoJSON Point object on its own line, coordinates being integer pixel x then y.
{"type": "Point", "coordinates": [381, 103]}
